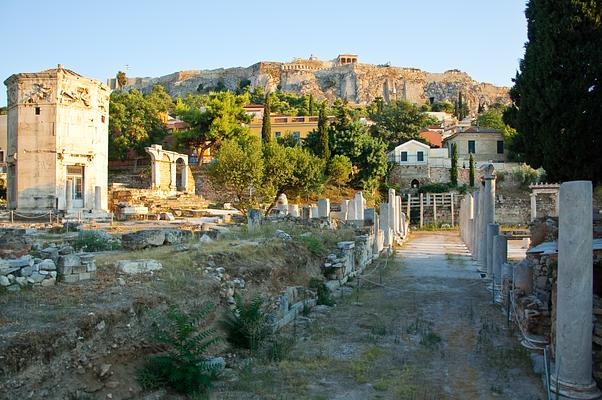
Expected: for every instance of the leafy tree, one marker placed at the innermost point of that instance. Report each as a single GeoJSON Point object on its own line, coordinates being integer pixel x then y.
{"type": "Point", "coordinates": [121, 79]}
{"type": "Point", "coordinates": [212, 118]}
{"type": "Point", "coordinates": [443, 106]}
{"type": "Point", "coordinates": [3, 110]}
{"type": "Point", "coordinates": [266, 125]}
{"type": "Point", "coordinates": [557, 95]}
{"type": "Point", "coordinates": [454, 165]}
{"type": "Point", "coordinates": [471, 172]}
{"type": "Point", "coordinates": [238, 170]}
{"type": "Point", "coordinates": [339, 170]}
{"type": "Point", "coordinates": [258, 95]}
{"type": "Point", "coordinates": [398, 122]}
{"type": "Point", "coordinates": [324, 147]}
{"type": "Point", "coordinates": [134, 121]}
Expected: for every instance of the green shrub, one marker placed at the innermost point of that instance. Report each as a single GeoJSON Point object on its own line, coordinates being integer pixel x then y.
{"type": "Point", "coordinates": [324, 295]}
{"type": "Point", "coordinates": [96, 241]}
{"type": "Point", "coordinates": [278, 347]}
{"type": "Point", "coordinates": [247, 325]}
{"type": "Point", "coordinates": [435, 188]}
{"type": "Point", "coordinates": [314, 244]}
{"type": "Point", "coordinates": [184, 366]}
{"type": "Point", "coordinates": [525, 175]}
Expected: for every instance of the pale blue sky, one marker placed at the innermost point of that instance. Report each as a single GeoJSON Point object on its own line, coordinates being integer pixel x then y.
{"type": "Point", "coordinates": [96, 38]}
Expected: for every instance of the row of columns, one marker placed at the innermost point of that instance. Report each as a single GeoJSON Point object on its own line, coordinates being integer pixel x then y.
{"type": "Point", "coordinates": [572, 376]}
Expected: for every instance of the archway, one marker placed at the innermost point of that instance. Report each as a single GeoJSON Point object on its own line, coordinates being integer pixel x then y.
{"type": "Point", "coordinates": [181, 175]}
{"type": "Point", "coordinates": [415, 184]}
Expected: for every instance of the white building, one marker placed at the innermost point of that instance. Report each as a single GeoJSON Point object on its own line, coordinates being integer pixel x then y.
{"type": "Point", "coordinates": [415, 153]}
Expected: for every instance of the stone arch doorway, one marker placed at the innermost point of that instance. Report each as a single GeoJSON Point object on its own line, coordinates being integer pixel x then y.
{"type": "Point", "coordinates": [181, 175]}
{"type": "Point", "coordinates": [415, 184]}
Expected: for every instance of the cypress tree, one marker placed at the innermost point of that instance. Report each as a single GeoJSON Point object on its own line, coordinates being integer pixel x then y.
{"type": "Point", "coordinates": [311, 104]}
{"type": "Point", "coordinates": [323, 133]}
{"type": "Point", "coordinates": [557, 95]}
{"type": "Point", "coordinates": [460, 107]}
{"type": "Point", "coordinates": [266, 125]}
{"type": "Point", "coordinates": [454, 166]}
{"type": "Point", "coordinates": [471, 171]}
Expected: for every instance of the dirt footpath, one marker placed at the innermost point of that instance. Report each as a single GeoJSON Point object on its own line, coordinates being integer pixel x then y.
{"type": "Point", "coordinates": [430, 333]}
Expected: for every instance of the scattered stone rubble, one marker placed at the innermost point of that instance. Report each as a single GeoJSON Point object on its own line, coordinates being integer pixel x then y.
{"type": "Point", "coordinates": [155, 237]}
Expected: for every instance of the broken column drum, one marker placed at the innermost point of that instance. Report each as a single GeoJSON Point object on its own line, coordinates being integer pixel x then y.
{"type": "Point", "coordinates": [573, 375]}
{"type": "Point", "coordinates": [500, 257]}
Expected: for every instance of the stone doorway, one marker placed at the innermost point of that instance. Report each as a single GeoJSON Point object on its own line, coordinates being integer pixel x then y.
{"type": "Point", "coordinates": [75, 186]}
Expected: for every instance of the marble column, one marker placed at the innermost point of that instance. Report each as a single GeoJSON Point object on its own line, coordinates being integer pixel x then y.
{"type": "Point", "coordinates": [533, 206]}
{"type": "Point", "coordinates": [475, 225]}
{"type": "Point", "coordinates": [398, 215]}
{"type": "Point", "coordinates": [97, 198]}
{"type": "Point", "coordinates": [68, 195]}
{"type": "Point", "coordinates": [500, 257]}
{"type": "Point", "coordinates": [344, 210]}
{"type": "Point", "coordinates": [351, 210]}
{"type": "Point", "coordinates": [376, 245]}
{"type": "Point", "coordinates": [360, 204]}
{"type": "Point", "coordinates": [488, 213]}
{"type": "Point", "coordinates": [392, 210]}
{"type": "Point", "coordinates": [324, 208]}
{"type": "Point", "coordinates": [421, 210]}
{"type": "Point", "coordinates": [573, 375]}
{"type": "Point", "coordinates": [493, 230]}
{"type": "Point", "coordinates": [384, 223]}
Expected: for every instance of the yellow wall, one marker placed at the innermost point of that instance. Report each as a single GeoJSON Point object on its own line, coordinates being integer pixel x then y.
{"type": "Point", "coordinates": [485, 146]}
{"type": "Point", "coordinates": [286, 125]}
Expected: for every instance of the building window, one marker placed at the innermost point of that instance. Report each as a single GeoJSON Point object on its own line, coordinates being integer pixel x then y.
{"type": "Point", "coordinates": [102, 118]}
{"type": "Point", "coordinates": [404, 156]}
{"type": "Point", "coordinates": [1, 156]}
{"type": "Point", "coordinates": [471, 147]}
{"type": "Point", "coordinates": [297, 137]}
{"type": "Point", "coordinates": [37, 110]}
{"type": "Point", "coordinates": [277, 134]}
{"type": "Point", "coordinates": [420, 156]}
{"type": "Point", "coordinates": [500, 147]}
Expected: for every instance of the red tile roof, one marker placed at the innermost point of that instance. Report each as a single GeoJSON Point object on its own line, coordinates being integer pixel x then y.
{"type": "Point", "coordinates": [434, 138]}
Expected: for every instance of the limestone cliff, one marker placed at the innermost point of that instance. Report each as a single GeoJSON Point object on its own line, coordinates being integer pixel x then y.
{"type": "Point", "coordinates": [358, 83]}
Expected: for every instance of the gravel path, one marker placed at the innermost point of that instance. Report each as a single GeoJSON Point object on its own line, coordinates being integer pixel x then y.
{"type": "Point", "coordinates": [430, 332]}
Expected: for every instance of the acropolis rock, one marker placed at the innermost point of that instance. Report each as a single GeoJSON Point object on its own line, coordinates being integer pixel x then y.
{"type": "Point", "coordinates": [356, 82]}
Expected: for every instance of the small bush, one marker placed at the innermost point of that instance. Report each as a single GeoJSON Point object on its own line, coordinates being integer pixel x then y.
{"type": "Point", "coordinates": [184, 365]}
{"type": "Point", "coordinates": [314, 244]}
{"type": "Point", "coordinates": [324, 295]}
{"type": "Point", "coordinates": [247, 325]}
{"type": "Point", "coordinates": [435, 188]}
{"type": "Point", "coordinates": [278, 347]}
{"type": "Point", "coordinates": [96, 241]}
{"type": "Point", "coordinates": [525, 175]}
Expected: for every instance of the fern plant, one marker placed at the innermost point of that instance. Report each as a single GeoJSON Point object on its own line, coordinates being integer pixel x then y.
{"type": "Point", "coordinates": [247, 325]}
{"type": "Point", "coordinates": [184, 366]}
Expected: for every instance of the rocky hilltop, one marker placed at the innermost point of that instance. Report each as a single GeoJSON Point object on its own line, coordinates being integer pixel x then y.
{"type": "Point", "coordinates": [356, 82]}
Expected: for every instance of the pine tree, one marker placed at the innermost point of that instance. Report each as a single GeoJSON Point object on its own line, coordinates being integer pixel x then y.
{"type": "Point", "coordinates": [557, 95]}
{"type": "Point", "coordinates": [323, 133]}
{"type": "Point", "coordinates": [266, 125]}
{"type": "Point", "coordinates": [454, 165]}
{"type": "Point", "coordinates": [471, 171]}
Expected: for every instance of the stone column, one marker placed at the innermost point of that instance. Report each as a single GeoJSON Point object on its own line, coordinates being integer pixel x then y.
{"type": "Point", "coordinates": [324, 208]}
{"type": "Point", "coordinates": [360, 204]}
{"type": "Point", "coordinates": [500, 257]}
{"type": "Point", "coordinates": [488, 213]}
{"type": "Point", "coordinates": [68, 195]}
{"type": "Point", "coordinates": [573, 376]}
{"type": "Point", "coordinates": [376, 243]}
{"type": "Point", "coordinates": [173, 185]}
{"type": "Point", "coordinates": [293, 210]}
{"type": "Point", "coordinates": [97, 198]}
{"type": "Point", "coordinates": [344, 210]}
{"type": "Point", "coordinates": [533, 206]}
{"type": "Point", "coordinates": [392, 210]}
{"type": "Point", "coordinates": [351, 211]}
{"type": "Point", "coordinates": [253, 219]}
{"type": "Point", "coordinates": [314, 213]}
{"type": "Point", "coordinates": [557, 203]}
{"type": "Point", "coordinates": [493, 230]}
{"type": "Point", "coordinates": [409, 206]}
{"type": "Point", "coordinates": [185, 177]}
{"type": "Point", "coordinates": [398, 215]}
{"type": "Point", "coordinates": [451, 202]}
{"type": "Point", "coordinates": [475, 225]}
{"type": "Point", "coordinates": [434, 197]}
{"type": "Point", "coordinates": [384, 223]}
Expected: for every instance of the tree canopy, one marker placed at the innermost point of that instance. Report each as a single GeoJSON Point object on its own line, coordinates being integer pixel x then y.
{"type": "Point", "coordinates": [398, 121]}
{"type": "Point", "coordinates": [134, 121]}
{"type": "Point", "coordinates": [212, 118]}
{"type": "Point", "coordinates": [557, 98]}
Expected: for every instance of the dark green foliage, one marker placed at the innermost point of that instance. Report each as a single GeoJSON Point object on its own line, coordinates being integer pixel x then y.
{"type": "Point", "coordinates": [461, 109]}
{"type": "Point", "coordinates": [95, 241]}
{"type": "Point", "coordinates": [471, 171]}
{"type": "Point", "coordinates": [454, 165]}
{"type": "Point", "coordinates": [324, 146]}
{"type": "Point", "coordinates": [443, 106]}
{"type": "Point", "coordinates": [557, 95]}
{"type": "Point", "coordinates": [324, 295]}
{"type": "Point", "coordinates": [266, 126]}
{"type": "Point", "coordinates": [314, 244]}
{"type": "Point", "coordinates": [398, 121]}
{"type": "Point", "coordinates": [247, 326]}
{"type": "Point", "coordinates": [311, 110]}
{"type": "Point", "coordinates": [184, 366]}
